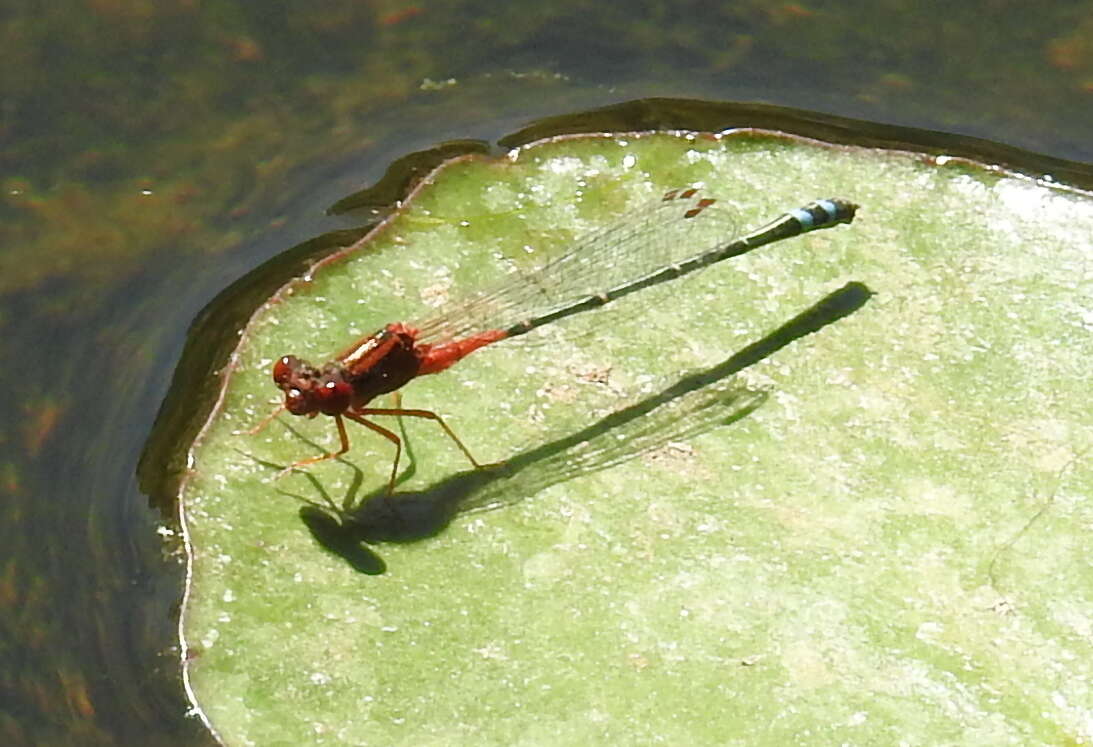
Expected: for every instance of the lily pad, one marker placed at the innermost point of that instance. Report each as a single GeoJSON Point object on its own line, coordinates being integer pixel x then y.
{"type": "Point", "coordinates": [891, 546]}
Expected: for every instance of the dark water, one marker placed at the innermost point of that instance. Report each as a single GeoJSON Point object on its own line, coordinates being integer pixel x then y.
{"type": "Point", "coordinates": [155, 152]}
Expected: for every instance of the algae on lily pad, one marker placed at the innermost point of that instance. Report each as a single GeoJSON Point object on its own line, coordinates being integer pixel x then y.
{"type": "Point", "coordinates": [892, 546]}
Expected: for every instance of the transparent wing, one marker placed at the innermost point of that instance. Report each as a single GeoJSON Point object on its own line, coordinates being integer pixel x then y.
{"type": "Point", "coordinates": [679, 225]}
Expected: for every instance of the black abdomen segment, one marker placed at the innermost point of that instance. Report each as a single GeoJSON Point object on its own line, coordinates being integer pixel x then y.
{"type": "Point", "coordinates": [811, 217]}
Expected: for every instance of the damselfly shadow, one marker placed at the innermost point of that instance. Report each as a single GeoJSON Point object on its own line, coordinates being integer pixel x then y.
{"type": "Point", "coordinates": [693, 405]}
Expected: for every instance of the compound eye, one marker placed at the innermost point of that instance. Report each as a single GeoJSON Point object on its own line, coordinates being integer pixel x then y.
{"type": "Point", "coordinates": [334, 396]}
{"type": "Point", "coordinates": [284, 369]}
{"type": "Point", "coordinates": [296, 402]}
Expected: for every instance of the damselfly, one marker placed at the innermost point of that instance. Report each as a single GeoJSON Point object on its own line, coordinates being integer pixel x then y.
{"type": "Point", "coordinates": [643, 249]}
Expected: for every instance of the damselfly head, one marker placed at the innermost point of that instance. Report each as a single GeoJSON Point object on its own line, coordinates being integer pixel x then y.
{"type": "Point", "coordinates": [309, 391]}
{"type": "Point", "coordinates": [288, 368]}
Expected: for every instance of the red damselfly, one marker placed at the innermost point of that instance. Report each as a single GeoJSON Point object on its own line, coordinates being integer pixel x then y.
{"type": "Point", "coordinates": [644, 248]}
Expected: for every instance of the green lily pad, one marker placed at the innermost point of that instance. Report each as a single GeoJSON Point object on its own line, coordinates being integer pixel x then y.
{"type": "Point", "coordinates": [891, 546]}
